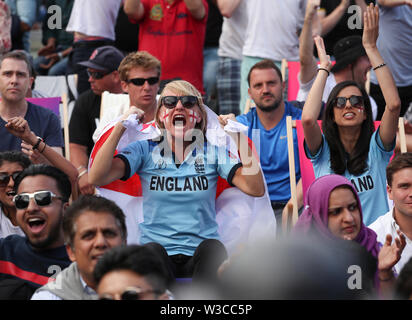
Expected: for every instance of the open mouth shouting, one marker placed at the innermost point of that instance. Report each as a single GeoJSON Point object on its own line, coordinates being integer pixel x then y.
{"type": "Point", "coordinates": [179, 120]}
{"type": "Point", "coordinates": [36, 224]}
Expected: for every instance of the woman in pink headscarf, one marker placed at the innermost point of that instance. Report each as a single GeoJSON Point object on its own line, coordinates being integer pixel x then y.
{"type": "Point", "coordinates": [333, 210]}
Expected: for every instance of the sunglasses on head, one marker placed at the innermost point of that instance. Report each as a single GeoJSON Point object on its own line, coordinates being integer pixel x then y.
{"type": "Point", "coordinates": [42, 199]}
{"type": "Point", "coordinates": [130, 293]}
{"type": "Point", "coordinates": [187, 101]}
{"type": "Point", "coordinates": [355, 101]}
{"type": "Point", "coordinates": [5, 178]}
{"type": "Point", "coordinates": [140, 81]}
{"type": "Point", "coordinates": [97, 74]}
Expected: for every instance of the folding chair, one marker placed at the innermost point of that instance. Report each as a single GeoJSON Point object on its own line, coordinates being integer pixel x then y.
{"type": "Point", "coordinates": [66, 88]}
{"type": "Point", "coordinates": [112, 106]}
{"type": "Point", "coordinates": [306, 168]}
{"type": "Point", "coordinates": [53, 104]}
{"type": "Point", "coordinates": [292, 69]}
{"type": "Point", "coordinates": [249, 105]}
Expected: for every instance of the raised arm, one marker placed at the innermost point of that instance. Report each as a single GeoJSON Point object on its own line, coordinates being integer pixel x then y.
{"type": "Point", "coordinates": [34, 147]}
{"type": "Point", "coordinates": [105, 168]}
{"type": "Point", "coordinates": [227, 7]}
{"type": "Point", "coordinates": [329, 22]}
{"type": "Point", "coordinates": [389, 256]}
{"type": "Point", "coordinates": [196, 8]}
{"type": "Point", "coordinates": [390, 118]}
{"type": "Point", "coordinates": [308, 65]}
{"type": "Point", "coordinates": [134, 9]}
{"type": "Point", "coordinates": [313, 104]}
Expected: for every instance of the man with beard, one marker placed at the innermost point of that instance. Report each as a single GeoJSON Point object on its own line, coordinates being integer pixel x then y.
{"type": "Point", "coordinates": [267, 129]}
{"type": "Point", "coordinates": [27, 263]}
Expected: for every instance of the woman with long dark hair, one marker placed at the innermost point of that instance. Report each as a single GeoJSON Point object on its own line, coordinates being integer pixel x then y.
{"type": "Point", "coordinates": [348, 145]}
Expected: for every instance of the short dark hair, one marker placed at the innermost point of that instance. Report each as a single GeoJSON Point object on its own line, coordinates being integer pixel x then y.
{"type": "Point", "coordinates": [15, 157]}
{"type": "Point", "coordinates": [62, 180]}
{"type": "Point", "coordinates": [265, 64]}
{"type": "Point", "coordinates": [399, 162]}
{"type": "Point", "coordinates": [91, 203]}
{"type": "Point", "coordinates": [19, 55]}
{"type": "Point", "coordinates": [140, 259]}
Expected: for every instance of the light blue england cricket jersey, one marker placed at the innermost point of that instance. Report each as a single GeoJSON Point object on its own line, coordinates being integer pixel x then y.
{"type": "Point", "coordinates": [178, 201]}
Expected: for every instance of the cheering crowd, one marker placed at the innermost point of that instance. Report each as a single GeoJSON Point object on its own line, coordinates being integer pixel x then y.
{"type": "Point", "coordinates": [182, 188]}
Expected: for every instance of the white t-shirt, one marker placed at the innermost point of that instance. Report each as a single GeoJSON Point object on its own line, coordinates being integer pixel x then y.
{"type": "Point", "coordinates": [7, 228]}
{"type": "Point", "coordinates": [232, 37]}
{"type": "Point", "coordinates": [95, 18]}
{"type": "Point", "coordinates": [386, 224]}
{"type": "Point", "coordinates": [273, 29]}
{"type": "Point", "coordinates": [330, 84]}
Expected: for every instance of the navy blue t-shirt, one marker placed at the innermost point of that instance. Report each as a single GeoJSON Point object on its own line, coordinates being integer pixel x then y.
{"type": "Point", "coordinates": [43, 122]}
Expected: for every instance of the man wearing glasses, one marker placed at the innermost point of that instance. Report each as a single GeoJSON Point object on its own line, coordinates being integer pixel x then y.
{"type": "Point", "coordinates": [27, 263]}
{"type": "Point", "coordinates": [92, 225]}
{"type": "Point", "coordinates": [103, 76]}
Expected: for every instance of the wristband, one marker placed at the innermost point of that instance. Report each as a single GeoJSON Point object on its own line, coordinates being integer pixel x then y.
{"type": "Point", "coordinates": [379, 66]}
{"type": "Point", "coordinates": [82, 173]}
{"type": "Point", "coordinates": [43, 147]}
{"type": "Point", "coordinates": [324, 69]}
{"type": "Point", "coordinates": [60, 54]}
{"type": "Point", "coordinates": [37, 143]}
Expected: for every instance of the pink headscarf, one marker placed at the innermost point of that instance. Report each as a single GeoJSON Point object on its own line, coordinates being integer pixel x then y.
{"type": "Point", "coordinates": [315, 213]}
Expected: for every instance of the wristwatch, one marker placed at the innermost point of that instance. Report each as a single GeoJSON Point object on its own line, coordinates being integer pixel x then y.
{"type": "Point", "coordinates": [39, 139]}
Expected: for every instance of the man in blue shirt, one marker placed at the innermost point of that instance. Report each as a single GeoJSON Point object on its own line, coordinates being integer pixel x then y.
{"type": "Point", "coordinates": [16, 79]}
{"type": "Point", "coordinates": [267, 129]}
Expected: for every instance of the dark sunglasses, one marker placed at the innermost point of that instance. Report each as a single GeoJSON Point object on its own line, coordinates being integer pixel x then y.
{"type": "Point", "coordinates": [140, 81]}
{"type": "Point", "coordinates": [187, 101]}
{"type": "Point", "coordinates": [97, 74]}
{"type": "Point", "coordinates": [42, 198]}
{"type": "Point", "coordinates": [5, 178]}
{"type": "Point", "coordinates": [355, 101]}
{"type": "Point", "coordinates": [130, 293]}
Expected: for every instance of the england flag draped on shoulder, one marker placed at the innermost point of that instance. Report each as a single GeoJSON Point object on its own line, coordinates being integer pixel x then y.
{"type": "Point", "coordinates": [242, 219]}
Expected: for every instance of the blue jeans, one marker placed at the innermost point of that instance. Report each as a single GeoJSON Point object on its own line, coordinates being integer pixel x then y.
{"type": "Point", "coordinates": [210, 65]}
{"type": "Point", "coordinates": [58, 69]}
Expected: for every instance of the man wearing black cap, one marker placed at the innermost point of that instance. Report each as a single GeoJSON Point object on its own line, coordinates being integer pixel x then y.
{"type": "Point", "coordinates": [352, 63]}
{"type": "Point", "coordinates": [103, 76]}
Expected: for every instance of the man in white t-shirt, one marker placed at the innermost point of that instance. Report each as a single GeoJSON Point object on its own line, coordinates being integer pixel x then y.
{"type": "Point", "coordinates": [399, 218]}
{"type": "Point", "coordinates": [352, 63]}
{"type": "Point", "coordinates": [93, 24]}
{"type": "Point", "coordinates": [272, 33]}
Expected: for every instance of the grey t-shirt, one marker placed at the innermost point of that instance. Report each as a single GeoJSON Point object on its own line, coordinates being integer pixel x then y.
{"type": "Point", "coordinates": [233, 33]}
{"type": "Point", "coordinates": [395, 43]}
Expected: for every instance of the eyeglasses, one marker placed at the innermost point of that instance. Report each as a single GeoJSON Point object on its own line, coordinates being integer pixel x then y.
{"type": "Point", "coordinates": [187, 101]}
{"type": "Point", "coordinates": [140, 81]}
{"type": "Point", "coordinates": [42, 198]}
{"type": "Point", "coordinates": [355, 101]}
{"type": "Point", "coordinates": [5, 178]}
{"type": "Point", "coordinates": [130, 293]}
{"type": "Point", "coordinates": [97, 74]}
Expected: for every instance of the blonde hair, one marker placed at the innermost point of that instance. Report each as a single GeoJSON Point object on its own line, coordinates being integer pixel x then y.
{"type": "Point", "coordinates": [184, 88]}
{"type": "Point", "coordinates": [141, 59]}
